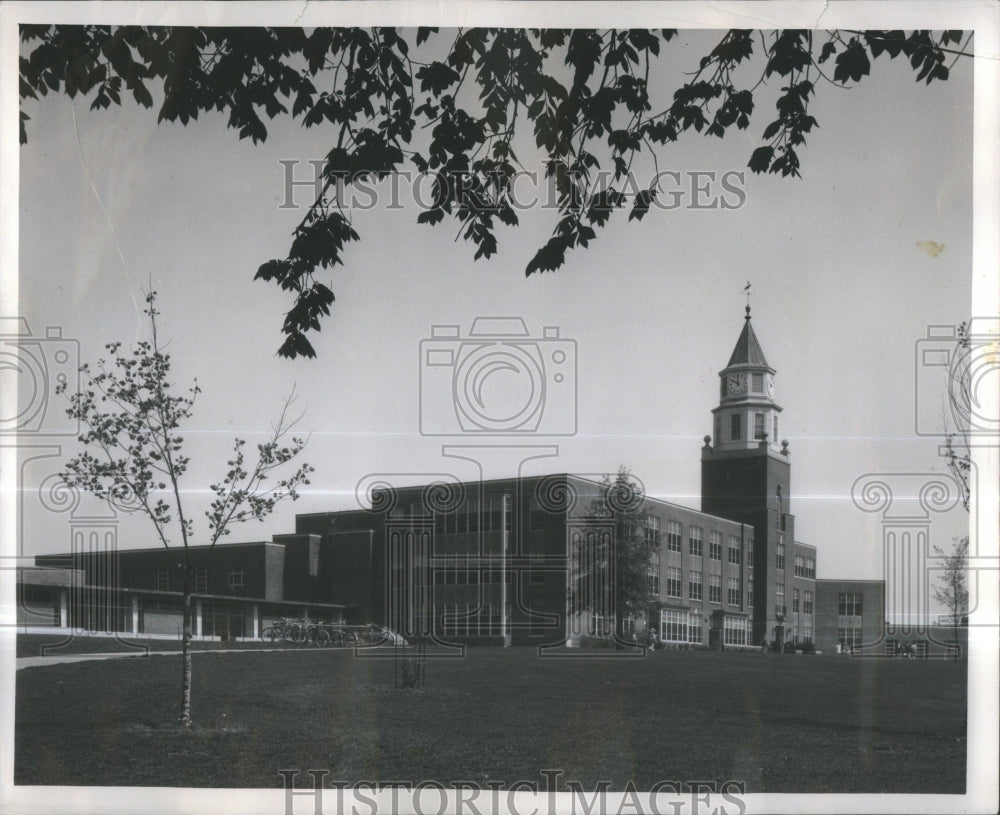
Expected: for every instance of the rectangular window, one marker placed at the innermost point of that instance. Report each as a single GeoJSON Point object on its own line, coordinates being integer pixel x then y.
{"type": "Point", "coordinates": [807, 602]}
{"type": "Point", "coordinates": [758, 426]}
{"type": "Point", "coordinates": [807, 633]}
{"type": "Point", "coordinates": [674, 536]}
{"type": "Point", "coordinates": [750, 591]}
{"type": "Point", "coordinates": [715, 588]}
{"type": "Point", "coordinates": [695, 538]}
{"type": "Point", "coordinates": [652, 530]}
{"type": "Point", "coordinates": [849, 604]}
{"type": "Point", "coordinates": [800, 566]}
{"type": "Point", "coordinates": [779, 599]}
{"type": "Point", "coordinates": [735, 553]}
{"type": "Point", "coordinates": [679, 626]}
{"type": "Point", "coordinates": [733, 594]}
{"type": "Point", "coordinates": [811, 568]}
{"type": "Point", "coordinates": [775, 427]}
{"type": "Point", "coordinates": [734, 427]}
{"type": "Point", "coordinates": [236, 579]}
{"type": "Point", "coordinates": [163, 580]}
{"type": "Point", "coordinates": [715, 546]}
{"type": "Point", "coordinates": [736, 631]}
{"type": "Point", "coordinates": [673, 581]}
{"type": "Point", "coordinates": [201, 581]}
{"type": "Point", "coordinates": [654, 574]}
{"type": "Point", "coordinates": [850, 635]}
{"type": "Point", "coordinates": [795, 601]}
{"type": "Point", "coordinates": [757, 383]}
{"type": "Point", "coordinates": [779, 556]}
{"type": "Point", "coordinates": [694, 585]}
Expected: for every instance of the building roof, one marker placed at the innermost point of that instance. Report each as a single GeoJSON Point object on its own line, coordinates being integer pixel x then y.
{"type": "Point", "coordinates": [747, 350]}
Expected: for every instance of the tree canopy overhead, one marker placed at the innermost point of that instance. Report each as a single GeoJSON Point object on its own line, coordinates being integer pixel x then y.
{"type": "Point", "coordinates": [451, 103]}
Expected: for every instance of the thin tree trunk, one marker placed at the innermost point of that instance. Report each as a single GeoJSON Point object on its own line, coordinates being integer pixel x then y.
{"type": "Point", "coordinates": [185, 718]}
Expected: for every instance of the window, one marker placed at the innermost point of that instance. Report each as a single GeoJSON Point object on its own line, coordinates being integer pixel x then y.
{"type": "Point", "coordinates": [715, 546]}
{"type": "Point", "coordinates": [750, 591]}
{"type": "Point", "coordinates": [163, 580]}
{"type": "Point", "coordinates": [734, 427]}
{"type": "Point", "coordinates": [694, 585]}
{"type": "Point", "coordinates": [733, 595]}
{"type": "Point", "coordinates": [850, 635]}
{"type": "Point", "coordinates": [811, 568]}
{"type": "Point", "coordinates": [807, 602]}
{"type": "Point", "coordinates": [736, 631]}
{"type": "Point", "coordinates": [776, 427]}
{"type": "Point", "coordinates": [653, 574]}
{"type": "Point", "coordinates": [201, 581]}
{"type": "Point", "coordinates": [757, 383]}
{"type": "Point", "coordinates": [735, 553]}
{"type": "Point", "coordinates": [652, 530]}
{"type": "Point", "coordinates": [674, 536]}
{"type": "Point", "coordinates": [758, 426]}
{"type": "Point", "coordinates": [673, 581]}
{"type": "Point", "coordinates": [236, 580]}
{"type": "Point", "coordinates": [715, 588]}
{"type": "Point", "coordinates": [779, 599]}
{"type": "Point", "coordinates": [679, 626]}
{"type": "Point", "coordinates": [695, 537]}
{"type": "Point", "coordinates": [800, 566]}
{"type": "Point", "coordinates": [779, 556]}
{"type": "Point", "coordinates": [849, 604]}
{"type": "Point", "coordinates": [795, 601]}
{"type": "Point", "coordinates": [807, 633]}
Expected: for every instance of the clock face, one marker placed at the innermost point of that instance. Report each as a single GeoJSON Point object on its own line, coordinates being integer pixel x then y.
{"type": "Point", "coordinates": [738, 383]}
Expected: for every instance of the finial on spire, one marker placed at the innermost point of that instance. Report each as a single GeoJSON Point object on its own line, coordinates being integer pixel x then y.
{"type": "Point", "coordinates": [746, 288]}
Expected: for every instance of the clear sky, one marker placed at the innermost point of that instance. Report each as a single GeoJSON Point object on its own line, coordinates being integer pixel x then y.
{"type": "Point", "coordinates": [842, 293]}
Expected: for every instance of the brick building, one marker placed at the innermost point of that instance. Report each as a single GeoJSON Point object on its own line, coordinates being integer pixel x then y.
{"type": "Point", "coordinates": [510, 561]}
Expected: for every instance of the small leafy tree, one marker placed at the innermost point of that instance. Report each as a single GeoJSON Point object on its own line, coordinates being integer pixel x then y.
{"type": "Point", "coordinates": [952, 589]}
{"type": "Point", "coordinates": [628, 560]}
{"type": "Point", "coordinates": [133, 456]}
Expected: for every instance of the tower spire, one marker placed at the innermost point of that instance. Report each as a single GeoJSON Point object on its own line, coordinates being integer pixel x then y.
{"type": "Point", "coordinates": [746, 288]}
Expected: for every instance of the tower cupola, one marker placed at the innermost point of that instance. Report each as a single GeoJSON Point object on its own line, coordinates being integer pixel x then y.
{"type": "Point", "coordinates": [747, 415]}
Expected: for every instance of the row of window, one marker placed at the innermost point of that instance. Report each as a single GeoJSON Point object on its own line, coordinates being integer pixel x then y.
{"type": "Point", "coordinates": [779, 600]}
{"type": "Point", "coordinates": [736, 427]}
{"type": "Point", "coordinates": [736, 631]}
{"type": "Point", "coordinates": [696, 536]}
{"type": "Point", "coordinates": [236, 580]}
{"type": "Point", "coordinates": [805, 567]}
{"type": "Point", "coordinates": [680, 626]}
{"type": "Point", "coordinates": [695, 578]}
{"type": "Point", "coordinates": [807, 601]}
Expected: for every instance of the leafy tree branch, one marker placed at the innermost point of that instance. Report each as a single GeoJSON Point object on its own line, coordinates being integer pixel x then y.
{"type": "Point", "coordinates": [453, 103]}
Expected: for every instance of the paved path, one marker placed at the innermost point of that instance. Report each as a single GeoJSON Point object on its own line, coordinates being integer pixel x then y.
{"type": "Point", "coordinates": [55, 659]}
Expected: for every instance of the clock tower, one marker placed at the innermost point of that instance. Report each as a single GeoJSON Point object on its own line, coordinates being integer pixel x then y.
{"type": "Point", "coordinates": [745, 474]}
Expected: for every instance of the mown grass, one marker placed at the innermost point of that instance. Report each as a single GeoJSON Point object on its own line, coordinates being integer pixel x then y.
{"type": "Point", "coordinates": [777, 723]}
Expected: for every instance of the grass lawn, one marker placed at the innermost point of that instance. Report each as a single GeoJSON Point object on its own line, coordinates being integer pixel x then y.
{"type": "Point", "coordinates": [778, 723]}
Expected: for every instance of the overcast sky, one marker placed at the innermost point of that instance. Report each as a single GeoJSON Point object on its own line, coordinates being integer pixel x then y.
{"type": "Point", "coordinates": [841, 293]}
